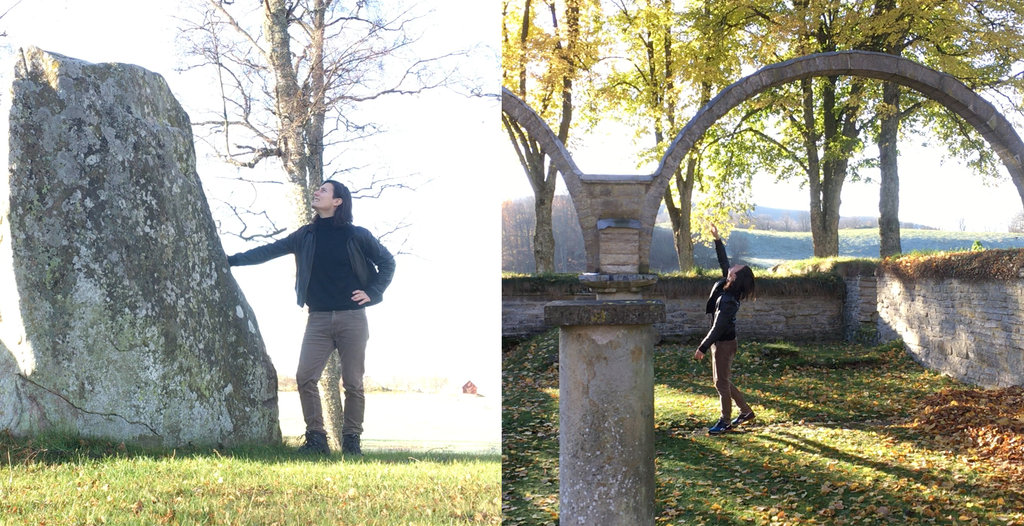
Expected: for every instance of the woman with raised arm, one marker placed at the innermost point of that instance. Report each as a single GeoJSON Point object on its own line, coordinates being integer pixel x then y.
{"type": "Point", "coordinates": [736, 285]}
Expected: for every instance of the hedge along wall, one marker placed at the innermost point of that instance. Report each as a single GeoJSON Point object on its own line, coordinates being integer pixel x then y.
{"type": "Point", "coordinates": [961, 314]}
{"type": "Point", "coordinates": [803, 308]}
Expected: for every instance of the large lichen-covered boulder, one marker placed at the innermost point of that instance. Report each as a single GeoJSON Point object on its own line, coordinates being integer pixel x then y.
{"type": "Point", "coordinates": [119, 317]}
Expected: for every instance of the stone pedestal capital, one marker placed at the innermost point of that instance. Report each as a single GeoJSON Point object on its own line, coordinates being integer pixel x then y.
{"type": "Point", "coordinates": [604, 312]}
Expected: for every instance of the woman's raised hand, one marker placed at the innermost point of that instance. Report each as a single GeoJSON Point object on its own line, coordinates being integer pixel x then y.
{"type": "Point", "coordinates": [714, 231]}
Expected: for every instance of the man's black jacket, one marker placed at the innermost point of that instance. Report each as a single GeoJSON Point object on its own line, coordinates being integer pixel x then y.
{"type": "Point", "coordinates": [302, 244]}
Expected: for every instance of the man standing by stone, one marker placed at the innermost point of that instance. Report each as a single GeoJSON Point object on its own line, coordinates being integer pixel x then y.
{"type": "Point", "coordinates": [340, 270]}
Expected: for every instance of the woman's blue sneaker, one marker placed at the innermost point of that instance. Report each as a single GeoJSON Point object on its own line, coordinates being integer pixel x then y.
{"type": "Point", "coordinates": [722, 426]}
{"type": "Point", "coordinates": [742, 418]}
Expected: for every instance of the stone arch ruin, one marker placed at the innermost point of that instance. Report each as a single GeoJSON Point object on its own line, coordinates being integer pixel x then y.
{"type": "Point", "coordinates": [593, 194]}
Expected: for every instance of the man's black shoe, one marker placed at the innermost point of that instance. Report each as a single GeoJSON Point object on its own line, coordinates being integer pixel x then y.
{"type": "Point", "coordinates": [316, 444]}
{"type": "Point", "coordinates": [350, 445]}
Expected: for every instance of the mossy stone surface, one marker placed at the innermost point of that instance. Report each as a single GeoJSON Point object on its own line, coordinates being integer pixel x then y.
{"type": "Point", "coordinates": [119, 316]}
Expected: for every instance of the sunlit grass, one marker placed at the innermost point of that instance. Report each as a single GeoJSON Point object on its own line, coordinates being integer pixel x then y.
{"type": "Point", "coordinates": [88, 482]}
{"type": "Point", "coordinates": [831, 443]}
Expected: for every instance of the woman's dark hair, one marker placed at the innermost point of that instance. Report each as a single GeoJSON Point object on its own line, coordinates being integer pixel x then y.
{"type": "Point", "coordinates": [742, 285]}
{"type": "Point", "coordinates": [343, 214]}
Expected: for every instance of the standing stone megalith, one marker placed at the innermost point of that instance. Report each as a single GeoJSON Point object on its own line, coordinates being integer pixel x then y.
{"type": "Point", "coordinates": [118, 315]}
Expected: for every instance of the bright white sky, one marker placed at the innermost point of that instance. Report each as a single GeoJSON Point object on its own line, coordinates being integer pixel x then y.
{"type": "Point", "coordinates": [441, 315]}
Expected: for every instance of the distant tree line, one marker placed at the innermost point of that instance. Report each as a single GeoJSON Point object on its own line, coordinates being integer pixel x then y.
{"type": "Point", "coordinates": [1017, 223]}
{"type": "Point", "coordinates": [518, 222]}
{"type": "Point", "coordinates": [518, 218]}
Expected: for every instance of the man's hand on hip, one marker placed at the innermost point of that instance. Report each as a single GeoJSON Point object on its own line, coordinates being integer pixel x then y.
{"type": "Point", "coordinates": [360, 297]}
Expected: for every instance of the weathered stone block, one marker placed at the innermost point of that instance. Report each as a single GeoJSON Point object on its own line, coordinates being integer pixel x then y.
{"type": "Point", "coordinates": [118, 316]}
{"type": "Point", "coordinates": [606, 422]}
{"type": "Point", "coordinates": [604, 312]}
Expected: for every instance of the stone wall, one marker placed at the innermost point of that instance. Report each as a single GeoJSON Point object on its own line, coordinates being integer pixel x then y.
{"type": "Point", "coordinates": [523, 300]}
{"type": "Point", "coordinates": [805, 318]}
{"type": "Point", "coordinates": [860, 308]}
{"type": "Point", "coordinates": [804, 314]}
{"type": "Point", "coordinates": [973, 331]}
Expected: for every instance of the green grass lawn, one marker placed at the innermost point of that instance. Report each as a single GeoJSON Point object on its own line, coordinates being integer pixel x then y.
{"type": "Point", "coordinates": [63, 480]}
{"type": "Point", "coordinates": [833, 443]}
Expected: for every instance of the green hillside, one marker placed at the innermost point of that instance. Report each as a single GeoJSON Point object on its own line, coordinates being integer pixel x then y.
{"type": "Point", "coordinates": [767, 248]}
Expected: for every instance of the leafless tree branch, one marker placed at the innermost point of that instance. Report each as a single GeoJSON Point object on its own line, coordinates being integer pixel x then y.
{"type": "Point", "coordinates": [239, 212]}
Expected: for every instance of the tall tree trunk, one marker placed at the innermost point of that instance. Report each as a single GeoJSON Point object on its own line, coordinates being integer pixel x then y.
{"type": "Point", "coordinates": [301, 147]}
{"type": "Point", "coordinates": [523, 36]}
{"type": "Point", "coordinates": [330, 382]}
{"type": "Point", "coordinates": [287, 94]}
{"type": "Point", "coordinates": [680, 218]}
{"type": "Point", "coordinates": [888, 157]}
{"type": "Point", "coordinates": [316, 95]}
{"type": "Point", "coordinates": [828, 244]}
{"type": "Point", "coordinates": [543, 180]}
{"type": "Point", "coordinates": [826, 177]}
{"type": "Point", "coordinates": [532, 158]}
{"type": "Point", "coordinates": [543, 233]}
{"type": "Point", "coordinates": [814, 178]}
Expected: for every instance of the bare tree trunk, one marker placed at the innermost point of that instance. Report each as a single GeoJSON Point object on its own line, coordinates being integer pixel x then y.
{"type": "Point", "coordinates": [301, 113]}
{"type": "Point", "coordinates": [827, 245]}
{"type": "Point", "coordinates": [286, 91]}
{"type": "Point", "coordinates": [676, 219]}
{"type": "Point", "coordinates": [888, 157]}
{"type": "Point", "coordinates": [315, 94]}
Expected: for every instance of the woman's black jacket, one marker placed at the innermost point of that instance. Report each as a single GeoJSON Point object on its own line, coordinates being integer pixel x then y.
{"type": "Point", "coordinates": [722, 304]}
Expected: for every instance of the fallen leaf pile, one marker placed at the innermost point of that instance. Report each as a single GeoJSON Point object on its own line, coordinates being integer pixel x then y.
{"type": "Point", "coordinates": [987, 423]}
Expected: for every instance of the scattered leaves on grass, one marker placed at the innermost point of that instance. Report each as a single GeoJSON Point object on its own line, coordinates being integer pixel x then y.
{"type": "Point", "coordinates": [830, 444]}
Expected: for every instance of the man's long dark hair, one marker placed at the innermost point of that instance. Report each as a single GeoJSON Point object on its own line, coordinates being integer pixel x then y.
{"type": "Point", "coordinates": [742, 285]}
{"type": "Point", "coordinates": [343, 214]}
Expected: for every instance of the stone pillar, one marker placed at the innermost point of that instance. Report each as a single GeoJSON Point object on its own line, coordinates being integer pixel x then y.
{"type": "Point", "coordinates": [606, 410]}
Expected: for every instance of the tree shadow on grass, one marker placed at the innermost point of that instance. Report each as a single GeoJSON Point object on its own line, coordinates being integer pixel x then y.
{"type": "Point", "coordinates": [820, 449]}
{"type": "Point", "coordinates": [57, 449]}
{"type": "Point", "coordinates": [737, 479]}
